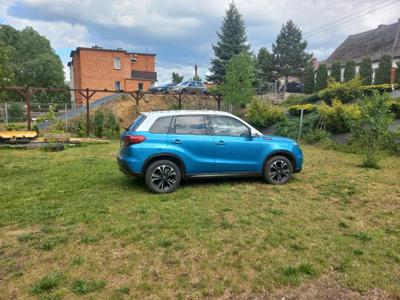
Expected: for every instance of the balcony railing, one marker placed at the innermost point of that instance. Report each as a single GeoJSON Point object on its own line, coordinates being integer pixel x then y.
{"type": "Point", "coordinates": [144, 75]}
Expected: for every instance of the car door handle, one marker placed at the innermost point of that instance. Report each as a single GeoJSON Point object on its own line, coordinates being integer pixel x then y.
{"type": "Point", "coordinates": [177, 141]}
{"type": "Point", "coordinates": [220, 143]}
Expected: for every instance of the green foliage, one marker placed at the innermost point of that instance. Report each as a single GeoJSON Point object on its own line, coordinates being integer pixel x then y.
{"type": "Point", "coordinates": [395, 107]}
{"type": "Point", "coordinates": [371, 129]}
{"type": "Point", "coordinates": [31, 61]}
{"type": "Point", "coordinates": [397, 74]}
{"type": "Point", "coordinates": [336, 71]}
{"type": "Point", "coordinates": [261, 114]}
{"type": "Point", "coordinates": [366, 71]}
{"type": "Point", "coordinates": [176, 78]}
{"type": "Point", "coordinates": [289, 51]}
{"type": "Point", "coordinates": [339, 117]}
{"type": "Point", "coordinates": [346, 92]}
{"type": "Point", "coordinates": [49, 116]}
{"type": "Point", "coordinates": [111, 126]}
{"type": "Point", "coordinates": [290, 126]}
{"type": "Point", "coordinates": [16, 112]}
{"type": "Point", "coordinates": [83, 287]}
{"type": "Point", "coordinates": [349, 70]}
{"type": "Point", "coordinates": [295, 110]}
{"type": "Point", "coordinates": [232, 40]}
{"type": "Point", "coordinates": [237, 87]}
{"type": "Point", "coordinates": [309, 79]}
{"type": "Point", "coordinates": [264, 69]}
{"type": "Point", "coordinates": [321, 81]}
{"type": "Point", "coordinates": [196, 77]}
{"type": "Point", "coordinates": [314, 136]}
{"type": "Point", "coordinates": [382, 74]}
{"type": "Point", "coordinates": [47, 283]}
{"type": "Point", "coordinates": [98, 123]}
{"type": "Point", "coordinates": [369, 90]}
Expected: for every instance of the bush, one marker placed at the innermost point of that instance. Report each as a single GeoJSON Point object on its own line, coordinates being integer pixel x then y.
{"type": "Point", "coordinates": [290, 126]}
{"type": "Point", "coordinates": [261, 114]}
{"type": "Point", "coordinates": [315, 136]}
{"type": "Point", "coordinates": [16, 112]}
{"type": "Point", "coordinates": [295, 110]}
{"type": "Point", "coordinates": [98, 123]}
{"type": "Point", "coordinates": [339, 117]}
{"type": "Point", "coordinates": [395, 108]}
{"type": "Point", "coordinates": [368, 90]}
{"type": "Point", "coordinates": [346, 92]}
{"type": "Point", "coordinates": [50, 115]}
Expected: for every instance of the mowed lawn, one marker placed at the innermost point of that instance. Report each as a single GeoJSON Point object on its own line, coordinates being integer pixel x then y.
{"type": "Point", "coordinates": [71, 226]}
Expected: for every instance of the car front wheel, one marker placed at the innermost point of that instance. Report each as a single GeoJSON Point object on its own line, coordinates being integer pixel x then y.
{"type": "Point", "coordinates": [163, 176]}
{"type": "Point", "coordinates": [278, 170]}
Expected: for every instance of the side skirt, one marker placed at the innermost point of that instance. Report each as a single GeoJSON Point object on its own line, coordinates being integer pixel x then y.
{"type": "Point", "coordinates": [222, 175]}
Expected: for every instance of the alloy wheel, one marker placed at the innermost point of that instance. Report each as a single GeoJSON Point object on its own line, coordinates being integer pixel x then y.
{"type": "Point", "coordinates": [163, 177]}
{"type": "Point", "coordinates": [279, 171]}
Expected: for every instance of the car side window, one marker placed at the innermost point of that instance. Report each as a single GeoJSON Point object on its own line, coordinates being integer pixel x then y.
{"type": "Point", "coordinates": [161, 125]}
{"type": "Point", "coordinates": [192, 84]}
{"type": "Point", "coordinates": [190, 124]}
{"type": "Point", "coordinates": [224, 125]}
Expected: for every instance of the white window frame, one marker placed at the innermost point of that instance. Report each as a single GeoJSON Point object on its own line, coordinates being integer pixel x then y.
{"type": "Point", "coordinates": [117, 63]}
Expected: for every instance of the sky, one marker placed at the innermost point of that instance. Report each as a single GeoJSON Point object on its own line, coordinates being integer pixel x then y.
{"type": "Point", "coordinates": [181, 32]}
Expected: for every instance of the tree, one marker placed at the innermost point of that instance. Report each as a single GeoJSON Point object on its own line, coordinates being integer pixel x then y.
{"type": "Point", "coordinates": [397, 78]}
{"type": "Point", "coordinates": [349, 70]}
{"type": "Point", "coordinates": [237, 88]}
{"type": "Point", "coordinates": [321, 81]}
{"type": "Point", "coordinates": [309, 79]}
{"type": "Point", "coordinates": [176, 78]}
{"type": "Point", "coordinates": [382, 74]}
{"type": "Point", "coordinates": [264, 68]}
{"type": "Point", "coordinates": [32, 61]}
{"type": "Point", "coordinates": [366, 71]}
{"type": "Point", "coordinates": [232, 40]}
{"type": "Point", "coordinates": [336, 71]}
{"type": "Point", "coordinates": [371, 130]}
{"type": "Point", "coordinates": [196, 78]}
{"type": "Point", "coordinates": [289, 51]}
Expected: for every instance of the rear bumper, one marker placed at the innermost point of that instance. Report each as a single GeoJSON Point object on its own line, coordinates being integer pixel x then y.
{"type": "Point", "coordinates": [124, 167]}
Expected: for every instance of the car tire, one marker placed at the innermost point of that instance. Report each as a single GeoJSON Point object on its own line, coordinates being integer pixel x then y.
{"type": "Point", "coordinates": [163, 176]}
{"type": "Point", "coordinates": [278, 170]}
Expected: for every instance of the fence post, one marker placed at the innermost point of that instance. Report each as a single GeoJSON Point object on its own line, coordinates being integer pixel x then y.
{"type": "Point", "coordinates": [6, 112]}
{"type": "Point", "coordinates": [66, 116]}
{"type": "Point", "coordinates": [301, 122]}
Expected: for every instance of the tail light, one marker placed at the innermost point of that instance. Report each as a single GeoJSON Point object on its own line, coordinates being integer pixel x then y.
{"type": "Point", "coordinates": [133, 139]}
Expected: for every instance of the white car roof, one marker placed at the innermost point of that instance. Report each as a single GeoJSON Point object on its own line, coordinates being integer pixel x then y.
{"type": "Point", "coordinates": [185, 112]}
{"type": "Point", "coordinates": [151, 116]}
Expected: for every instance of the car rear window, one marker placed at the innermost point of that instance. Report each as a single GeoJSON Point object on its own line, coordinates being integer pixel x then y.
{"type": "Point", "coordinates": [139, 120]}
{"type": "Point", "coordinates": [161, 125]}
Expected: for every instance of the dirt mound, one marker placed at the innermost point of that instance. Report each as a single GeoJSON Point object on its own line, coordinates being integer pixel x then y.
{"type": "Point", "coordinates": [126, 111]}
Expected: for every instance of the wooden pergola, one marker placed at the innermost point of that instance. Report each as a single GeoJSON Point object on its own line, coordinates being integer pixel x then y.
{"type": "Point", "coordinates": [27, 92]}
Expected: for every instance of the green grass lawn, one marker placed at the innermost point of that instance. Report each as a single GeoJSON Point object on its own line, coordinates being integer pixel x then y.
{"type": "Point", "coordinates": [72, 225]}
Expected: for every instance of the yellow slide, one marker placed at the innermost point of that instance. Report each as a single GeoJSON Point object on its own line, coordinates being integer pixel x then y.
{"type": "Point", "coordinates": [15, 135]}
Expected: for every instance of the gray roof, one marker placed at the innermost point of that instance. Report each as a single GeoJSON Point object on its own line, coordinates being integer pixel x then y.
{"type": "Point", "coordinates": [373, 43]}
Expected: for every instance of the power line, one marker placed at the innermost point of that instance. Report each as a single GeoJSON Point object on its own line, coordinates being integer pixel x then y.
{"type": "Point", "coordinates": [343, 18]}
{"type": "Point", "coordinates": [350, 21]}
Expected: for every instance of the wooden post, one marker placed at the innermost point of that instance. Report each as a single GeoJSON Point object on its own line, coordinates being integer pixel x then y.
{"type": "Point", "coordinates": [6, 112]}
{"type": "Point", "coordinates": [301, 122]}
{"type": "Point", "coordinates": [87, 96]}
{"type": "Point", "coordinates": [28, 107]}
{"type": "Point", "coordinates": [179, 98]}
{"type": "Point", "coordinates": [137, 95]}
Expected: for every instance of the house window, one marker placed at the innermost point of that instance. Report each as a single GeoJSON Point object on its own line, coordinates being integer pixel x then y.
{"type": "Point", "coordinates": [117, 85]}
{"type": "Point", "coordinates": [140, 86]}
{"type": "Point", "coordinates": [117, 63]}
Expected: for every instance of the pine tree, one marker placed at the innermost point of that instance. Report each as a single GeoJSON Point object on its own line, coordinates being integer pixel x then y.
{"type": "Point", "coordinates": [382, 74]}
{"type": "Point", "coordinates": [289, 51]}
{"type": "Point", "coordinates": [336, 71]}
{"type": "Point", "coordinates": [349, 70]}
{"type": "Point", "coordinates": [237, 87]}
{"type": "Point", "coordinates": [264, 68]}
{"type": "Point", "coordinates": [366, 71]}
{"type": "Point", "coordinates": [397, 78]}
{"type": "Point", "coordinates": [321, 81]}
{"type": "Point", "coordinates": [309, 79]}
{"type": "Point", "coordinates": [232, 40]}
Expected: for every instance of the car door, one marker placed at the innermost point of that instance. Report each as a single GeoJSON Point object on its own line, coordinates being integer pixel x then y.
{"type": "Point", "coordinates": [236, 151]}
{"type": "Point", "coordinates": [192, 87]}
{"type": "Point", "coordinates": [190, 141]}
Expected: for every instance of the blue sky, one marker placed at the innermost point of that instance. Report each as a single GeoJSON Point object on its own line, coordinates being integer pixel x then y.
{"type": "Point", "coordinates": [181, 32]}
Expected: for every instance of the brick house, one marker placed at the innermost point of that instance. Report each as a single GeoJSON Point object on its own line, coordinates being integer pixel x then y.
{"type": "Point", "coordinates": [373, 43]}
{"type": "Point", "coordinates": [98, 68]}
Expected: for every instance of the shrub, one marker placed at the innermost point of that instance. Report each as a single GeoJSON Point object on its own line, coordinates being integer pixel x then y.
{"type": "Point", "coordinates": [294, 100]}
{"type": "Point", "coordinates": [295, 110]}
{"type": "Point", "coordinates": [16, 112]}
{"type": "Point", "coordinates": [395, 107]}
{"type": "Point", "coordinates": [262, 114]}
{"type": "Point", "coordinates": [50, 115]}
{"type": "Point", "coordinates": [368, 90]}
{"type": "Point", "coordinates": [382, 74]}
{"type": "Point", "coordinates": [309, 81]}
{"type": "Point", "coordinates": [111, 126]}
{"type": "Point", "coordinates": [336, 71]}
{"type": "Point", "coordinates": [349, 70]}
{"type": "Point", "coordinates": [315, 136]}
{"type": "Point", "coordinates": [321, 80]}
{"type": "Point", "coordinates": [98, 123]}
{"type": "Point", "coordinates": [346, 92]}
{"type": "Point", "coordinates": [371, 130]}
{"type": "Point", "coordinates": [366, 71]}
{"type": "Point", "coordinates": [339, 116]}
{"type": "Point", "coordinates": [290, 126]}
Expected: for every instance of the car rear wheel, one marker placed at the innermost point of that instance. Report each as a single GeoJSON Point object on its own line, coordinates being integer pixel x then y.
{"type": "Point", "coordinates": [163, 176]}
{"type": "Point", "coordinates": [278, 170]}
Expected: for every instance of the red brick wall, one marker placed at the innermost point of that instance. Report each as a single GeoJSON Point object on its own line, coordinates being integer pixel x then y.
{"type": "Point", "coordinates": [95, 70]}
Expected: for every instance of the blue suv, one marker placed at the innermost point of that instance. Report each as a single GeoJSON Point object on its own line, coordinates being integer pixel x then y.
{"type": "Point", "coordinates": [166, 146]}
